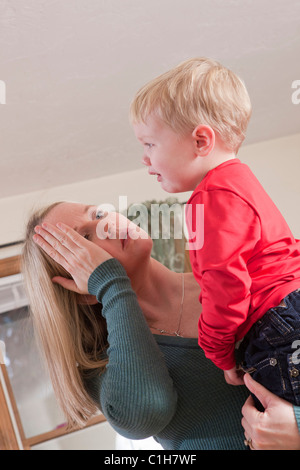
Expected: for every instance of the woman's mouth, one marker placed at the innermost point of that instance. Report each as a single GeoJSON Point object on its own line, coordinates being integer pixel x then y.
{"type": "Point", "coordinates": [125, 241]}
{"type": "Point", "coordinates": [124, 238]}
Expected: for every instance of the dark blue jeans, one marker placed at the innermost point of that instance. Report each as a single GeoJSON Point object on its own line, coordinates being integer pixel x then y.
{"type": "Point", "coordinates": [271, 350]}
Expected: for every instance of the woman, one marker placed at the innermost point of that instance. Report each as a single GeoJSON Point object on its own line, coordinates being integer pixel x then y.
{"type": "Point", "coordinates": [139, 362]}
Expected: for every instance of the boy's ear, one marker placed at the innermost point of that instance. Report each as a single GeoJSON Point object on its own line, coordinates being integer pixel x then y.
{"type": "Point", "coordinates": [204, 139]}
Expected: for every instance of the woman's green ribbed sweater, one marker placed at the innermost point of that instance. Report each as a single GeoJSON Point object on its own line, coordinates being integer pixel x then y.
{"type": "Point", "coordinates": [160, 386]}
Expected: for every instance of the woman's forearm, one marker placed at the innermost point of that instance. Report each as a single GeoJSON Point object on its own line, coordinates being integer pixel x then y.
{"type": "Point", "coordinates": [137, 394]}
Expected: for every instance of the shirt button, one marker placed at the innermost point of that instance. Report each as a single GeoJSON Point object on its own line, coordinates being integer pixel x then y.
{"type": "Point", "coordinates": [273, 361]}
{"type": "Point", "coordinates": [294, 372]}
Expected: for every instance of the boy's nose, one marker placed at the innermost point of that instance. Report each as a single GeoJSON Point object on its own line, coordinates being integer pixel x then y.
{"type": "Point", "coordinates": [146, 160]}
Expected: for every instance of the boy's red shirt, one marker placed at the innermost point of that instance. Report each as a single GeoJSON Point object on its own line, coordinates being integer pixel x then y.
{"type": "Point", "coordinates": [249, 260]}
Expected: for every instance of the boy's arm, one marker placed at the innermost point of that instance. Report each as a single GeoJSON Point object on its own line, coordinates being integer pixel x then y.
{"type": "Point", "coordinates": [231, 231]}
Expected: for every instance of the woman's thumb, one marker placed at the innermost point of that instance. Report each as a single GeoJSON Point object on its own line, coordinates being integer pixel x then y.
{"type": "Point", "coordinates": [66, 283]}
{"type": "Point", "coordinates": [261, 393]}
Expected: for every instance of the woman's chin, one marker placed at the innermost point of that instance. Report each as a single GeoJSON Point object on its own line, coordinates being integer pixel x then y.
{"type": "Point", "coordinates": [138, 253]}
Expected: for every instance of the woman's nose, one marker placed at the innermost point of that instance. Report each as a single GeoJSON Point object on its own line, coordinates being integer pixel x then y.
{"type": "Point", "coordinates": [107, 226]}
{"type": "Point", "coordinates": [146, 160]}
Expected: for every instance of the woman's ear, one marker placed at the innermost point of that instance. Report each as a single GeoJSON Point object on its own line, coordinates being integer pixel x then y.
{"type": "Point", "coordinates": [204, 139]}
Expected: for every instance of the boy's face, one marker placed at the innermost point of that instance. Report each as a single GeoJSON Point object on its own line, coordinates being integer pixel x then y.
{"type": "Point", "coordinates": [168, 155]}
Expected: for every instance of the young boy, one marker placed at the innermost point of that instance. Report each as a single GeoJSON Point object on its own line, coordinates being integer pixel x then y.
{"type": "Point", "coordinates": [192, 121]}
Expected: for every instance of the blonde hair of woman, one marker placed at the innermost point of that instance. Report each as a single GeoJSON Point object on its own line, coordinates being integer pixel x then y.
{"type": "Point", "coordinates": [72, 335]}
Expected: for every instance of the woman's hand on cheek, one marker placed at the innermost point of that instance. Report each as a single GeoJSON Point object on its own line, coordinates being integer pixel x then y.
{"type": "Point", "coordinates": [78, 256]}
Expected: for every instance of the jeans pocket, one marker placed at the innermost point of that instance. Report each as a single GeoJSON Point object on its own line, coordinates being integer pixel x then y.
{"type": "Point", "coordinates": [268, 372]}
{"type": "Point", "coordinates": [276, 328]}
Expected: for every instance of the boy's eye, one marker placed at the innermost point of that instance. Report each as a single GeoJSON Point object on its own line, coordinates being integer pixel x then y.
{"type": "Point", "coordinates": [87, 237]}
{"type": "Point", "coordinates": [149, 146]}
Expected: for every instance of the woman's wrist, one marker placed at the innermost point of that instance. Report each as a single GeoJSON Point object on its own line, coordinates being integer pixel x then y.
{"type": "Point", "coordinates": [108, 270]}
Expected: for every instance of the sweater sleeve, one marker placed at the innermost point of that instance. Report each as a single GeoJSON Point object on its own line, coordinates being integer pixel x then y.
{"type": "Point", "coordinates": [135, 392]}
{"type": "Point", "coordinates": [230, 232]}
{"type": "Point", "coordinates": [297, 414]}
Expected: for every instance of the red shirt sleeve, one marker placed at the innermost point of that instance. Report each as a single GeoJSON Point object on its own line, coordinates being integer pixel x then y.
{"type": "Point", "coordinates": [230, 231]}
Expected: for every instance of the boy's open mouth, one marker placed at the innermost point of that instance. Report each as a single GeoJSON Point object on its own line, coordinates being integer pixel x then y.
{"type": "Point", "coordinates": [152, 173]}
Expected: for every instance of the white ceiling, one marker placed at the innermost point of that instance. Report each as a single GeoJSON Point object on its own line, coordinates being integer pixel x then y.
{"type": "Point", "coordinates": [71, 68]}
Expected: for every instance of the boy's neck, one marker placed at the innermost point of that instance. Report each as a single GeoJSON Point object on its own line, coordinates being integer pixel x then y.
{"type": "Point", "coordinates": [219, 160]}
{"type": "Point", "coordinates": [216, 157]}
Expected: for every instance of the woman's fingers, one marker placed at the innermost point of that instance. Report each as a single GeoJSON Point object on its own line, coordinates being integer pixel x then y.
{"type": "Point", "coordinates": [249, 404]}
{"type": "Point", "coordinates": [261, 393]}
{"type": "Point", "coordinates": [51, 251]}
{"type": "Point", "coordinates": [74, 253]}
{"type": "Point", "coordinates": [63, 234]}
{"type": "Point", "coordinates": [65, 242]}
{"type": "Point", "coordinates": [70, 234]}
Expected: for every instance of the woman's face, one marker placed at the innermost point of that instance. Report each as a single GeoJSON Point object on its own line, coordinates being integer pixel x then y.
{"type": "Point", "coordinates": [111, 231]}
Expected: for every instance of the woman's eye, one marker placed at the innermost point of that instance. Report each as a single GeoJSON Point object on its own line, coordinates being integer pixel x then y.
{"type": "Point", "coordinates": [87, 237]}
{"type": "Point", "coordinates": [99, 214]}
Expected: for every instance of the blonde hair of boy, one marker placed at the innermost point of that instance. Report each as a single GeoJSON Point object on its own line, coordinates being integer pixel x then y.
{"type": "Point", "coordinates": [72, 337]}
{"type": "Point", "coordinates": [197, 91]}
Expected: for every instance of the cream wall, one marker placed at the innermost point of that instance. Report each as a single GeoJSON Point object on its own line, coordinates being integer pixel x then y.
{"type": "Point", "coordinates": [276, 163]}
{"type": "Point", "coordinates": [137, 186]}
